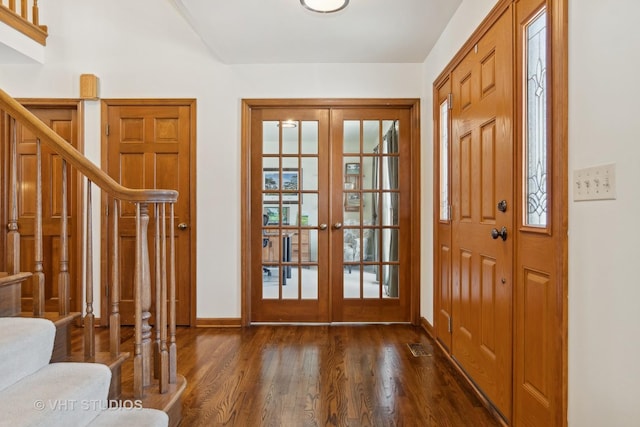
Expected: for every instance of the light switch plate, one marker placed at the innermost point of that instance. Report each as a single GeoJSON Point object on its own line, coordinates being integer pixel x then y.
{"type": "Point", "coordinates": [595, 183]}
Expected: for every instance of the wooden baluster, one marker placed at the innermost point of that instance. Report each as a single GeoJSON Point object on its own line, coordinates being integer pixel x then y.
{"type": "Point", "coordinates": [156, 343]}
{"type": "Point", "coordinates": [164, 354]}
{"type": "Point", "coordinates": [142, 359]}
{"type": "Point", "coordinates": [89, 318]}
{"type": "Point", "coordinates": [38, 275]}
{"type": "Point", "coordinates": [63, 275]}
{"type": "Point", "coordinates": [114, 317]}
{"type": "Point", "coordinates": [12, 5]}
{"type": "Point", "coordinates": [13, 235]}
{"type": "Point", "coordinates": [138, 359]}
{"type": "Point", "coordinates": [35, 18]}
{"type": "Point", "coordinates": [24, 9]}
{"type": "Point", "coordinates": [173, 349]}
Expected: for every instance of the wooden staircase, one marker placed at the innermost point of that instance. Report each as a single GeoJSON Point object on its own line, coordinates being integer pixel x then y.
{"type": "Point", "coordinates": [154, 378]}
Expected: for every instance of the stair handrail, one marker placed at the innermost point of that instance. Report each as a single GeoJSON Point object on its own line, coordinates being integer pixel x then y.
{"type": "Point", "coordinates": [79, 161]}
{"type": "Point", "coordinates": [165, 346]}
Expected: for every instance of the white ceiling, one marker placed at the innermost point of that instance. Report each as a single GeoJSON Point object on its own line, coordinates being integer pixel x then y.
{"type": "Point", "coordinates": [283, 31]}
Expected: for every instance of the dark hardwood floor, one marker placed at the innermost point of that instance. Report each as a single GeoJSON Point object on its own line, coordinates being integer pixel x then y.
{"type": "Point", "coordinates": [317, 376]}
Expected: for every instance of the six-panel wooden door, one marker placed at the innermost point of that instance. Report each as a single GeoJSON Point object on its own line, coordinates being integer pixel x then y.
{"type": "Point", "coordinates": [482, 214]}
{"type": "Point", "coordinates": [148, 145]}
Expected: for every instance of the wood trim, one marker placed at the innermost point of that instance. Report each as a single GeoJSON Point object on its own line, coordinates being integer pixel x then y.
{"type": "Point", "coordinates": [232, 322]}
{"type": "Point", "coordinates": [416, 247]}
{"type": "Point", "coordinates": [245, 216]}
{"type": "Point", "coordinates": [560, 140]}
{"type": "Point", "coordinates": [192, 104]}
{"type": "Point", "coordinates": [249, 104]}
{"type": "Point", "coordinates": [38, 33]}
{"type": "Point", "coordinates": [427, 327]}
{"type": "Point", "coordinates": [331, 102]}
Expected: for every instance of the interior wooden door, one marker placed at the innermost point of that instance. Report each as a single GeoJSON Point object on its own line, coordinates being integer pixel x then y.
{"type": "Point", "coordinates": [330, 217]}
{"type": "Point", "coordinates": [371, 208]}
{"type": "Point", "coordinates": [148, 145]}
{"type": "Point", "coordinates": [63, 120]}
{"type": "Point", "coordinates": [289, 215]}
{"type": "Point", "coordinates": [483, 214]}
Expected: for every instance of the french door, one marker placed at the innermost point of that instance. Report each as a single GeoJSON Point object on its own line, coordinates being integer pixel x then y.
{"type": "Point", "coordinates": [330, 217]}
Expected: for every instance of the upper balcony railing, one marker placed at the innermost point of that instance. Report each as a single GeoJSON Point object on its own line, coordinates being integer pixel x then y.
{"type": "Point", "coordinates": [24, 16]}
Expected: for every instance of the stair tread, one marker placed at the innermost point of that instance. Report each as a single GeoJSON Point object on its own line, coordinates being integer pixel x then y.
{"type": "Point", "coordinates": [54, 316]}
{"type": "Point", "coordinates": [169, 402]}
{"type": "Point", "coordinates": [10, 279]}
{"type": "Point", "coordinates": [25, 347]}
{"type": "Point", "coordinates": [103, 357]}
{"type": "Point", "coordinates": [131, 417]}
{"type": "Point", "coordinates": [35, 398]}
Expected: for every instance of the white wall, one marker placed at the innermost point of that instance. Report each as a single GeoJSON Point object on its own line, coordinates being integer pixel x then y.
{"type": "Point", "coordinates": [144, 48]}
{"type": "Point", "coordinates": [604, 290]}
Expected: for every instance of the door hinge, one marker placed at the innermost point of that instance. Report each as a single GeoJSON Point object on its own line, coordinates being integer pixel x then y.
{"type": "Point", "coordinates": [450, 100]}
{"type": "Point", "coordinates": [106, 129]}
{"type": "Point", "coordinates": [450, 325]}
{"type": "Point", "coordinates": [450, 212]}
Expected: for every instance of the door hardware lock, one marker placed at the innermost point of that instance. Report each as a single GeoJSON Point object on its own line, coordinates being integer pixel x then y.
{"type": "Point", "coordinates": [182, 226]}
{"type": "Point", "coordinates": [502, 233]}
{"type": "Point", "coordinates": [502, 205]}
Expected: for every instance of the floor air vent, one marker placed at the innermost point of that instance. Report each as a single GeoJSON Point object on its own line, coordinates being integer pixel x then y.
{"type": "Point", "coordinates": [417, 349]}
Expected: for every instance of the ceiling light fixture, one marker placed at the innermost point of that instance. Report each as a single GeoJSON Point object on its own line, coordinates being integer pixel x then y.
{"type": "Point", "coordinates": [324, 6]}
{"type": "Point", "coordinates": [289, 124]}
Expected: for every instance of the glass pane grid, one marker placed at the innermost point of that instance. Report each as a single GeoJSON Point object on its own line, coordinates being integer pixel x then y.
{"type": "Point", "coordinates": [290, 203]}
{"type": "Point", "coordinates": [536, 122]}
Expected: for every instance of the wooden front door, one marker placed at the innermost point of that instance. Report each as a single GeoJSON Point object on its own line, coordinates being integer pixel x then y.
{"type": "Point", "coordinates": [483, 215]}
{"type": "Point", "coordinates": [148, 144]}
{"type": "Point", "coordinates": [63, 119]}
{"type": "Point", "coordinates": [331, 208]}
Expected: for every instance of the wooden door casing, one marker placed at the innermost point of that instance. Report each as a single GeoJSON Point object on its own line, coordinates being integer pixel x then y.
{"type": "Point", "coordinates": [62, 117]}
{"type": "Point", "coordinates": [150, 145]}
{"type": "Point", "coordinates": [482, 175]}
